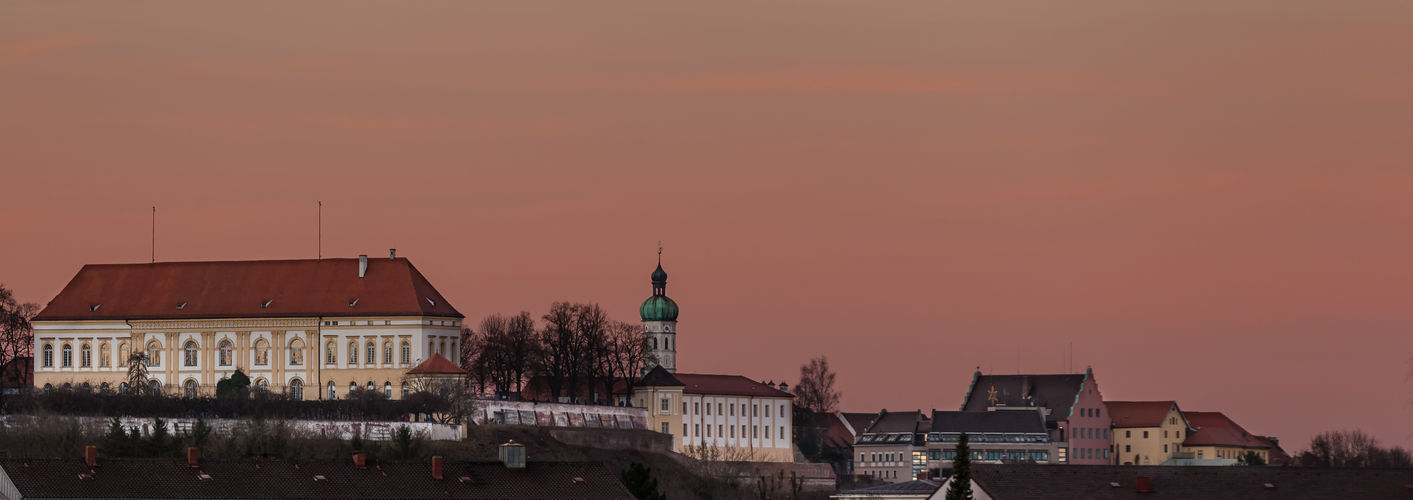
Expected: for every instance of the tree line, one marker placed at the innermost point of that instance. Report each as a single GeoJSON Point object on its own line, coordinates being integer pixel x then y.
{"type": "Point", "coordinates": [576, 350]}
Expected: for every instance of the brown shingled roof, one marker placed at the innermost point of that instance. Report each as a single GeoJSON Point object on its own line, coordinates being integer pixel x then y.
{"type": "Point", "coordinates": [437, 364]}
{"type": "Point", "coordinates": [1215, 429]}
{"type": "Point", "coordinates": [729, 385]}
{"type": "Point", "coordinates": [247, 289]}
{"type": "Point", "coordinates": [309, 480]}
{"type": "Point", "coordinates": [1118, 482]}
{"type": "Point", "coordinates": [1139, 413]}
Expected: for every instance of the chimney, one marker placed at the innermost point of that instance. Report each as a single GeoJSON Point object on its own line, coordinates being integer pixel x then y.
{"type": "Point", "coordinates": [1140, 484]}
{"type": "Point", "coordinates": [512, 454]}
{"type": "Point", "coordinates": [437, 468]}
{"type": "Point", "coordinates": [90, 455]}
{"type": "Point", "coordinates": [392, 254]}
{"type": "Point", "coordinates": [362, 265]}
{"type": "Point", "coordinates": [193, 456]}
{"type": "Point", "coordinates": [361, 460]}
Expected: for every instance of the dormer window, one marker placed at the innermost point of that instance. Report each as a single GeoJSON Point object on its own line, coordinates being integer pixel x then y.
{"type": "Point", "coordinates": [95, 307]}
{"type": "Point", "coordinates": [429, 301]}
{"type": "Point", "coordinates": [181, 306]}
{"type": "Point", "coordinates": [353, 302]}
{"type": "Point", "coordinates": [266, 303]}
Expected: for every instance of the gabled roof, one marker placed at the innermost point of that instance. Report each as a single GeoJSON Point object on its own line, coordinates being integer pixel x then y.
{"type": "Point", "coordinates": [291, 480]}
{"type": "Point", "coordinates": [1055, 392]}
{"type": "Point", "coordinates": [247, 289]}
{"type": "Point", "coordinates": [1139, 413]}
{"type": "Point", "coordinates": [727, 385]}
{"type": "Point", "coordinates": [899, 488]}
{"type": "Point", "coordinates": [976, 422]}
{"type": "Point", "coordinates": [1215, 429]}
{"type": "Point", "coordinates": [437, 365]}
{"type": "Point", "coordinates": [858, 421]}
{"type": "Point", "coordinates": [659, 377]}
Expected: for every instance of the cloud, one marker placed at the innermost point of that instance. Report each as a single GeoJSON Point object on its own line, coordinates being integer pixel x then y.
{"type": "Point", "coordinates": [24, 50]}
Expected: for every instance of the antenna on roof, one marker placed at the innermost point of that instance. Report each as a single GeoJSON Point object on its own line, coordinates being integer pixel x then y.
{"type": "Point", "coordinates": [321, 230]}
{"type": "Point", "coordinates": [154, 235]}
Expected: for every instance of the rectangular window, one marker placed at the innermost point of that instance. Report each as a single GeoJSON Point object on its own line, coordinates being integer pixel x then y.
{"type": "Point", "coordinates": [767, 432]}
{"type": "Point", "coordinates": [696, 429]}
{"type": "Point", "coordinates": [743, 432]}
{"type": "Point", "coordinates": [684, 430]}
{"type": "Point", "coordinates": [731, 409]}
{"type": "Point", "coordinates": [708, 431]}
{"type": "Point", "coordinates": [684, 407]}
{"type": "Point", "coordinates": [718, 431]}
{"type": "Point", "coordinates": [718, 409]}
{"type": "Point", "coordinates": [733, 432]}
{"type": "Point", "coordinates": [1145, 434]}
{"type": "Point", "coordinates": [782, 433]}
{"type": "Point", "coordinates": [1128, 434]}
{"type": "Point", "coordinates": [1165, 434]}
{"type": "Point", "coordinates": [782, 411]}
{"type": "Point", "coordinates": [665, 428]}
{"type": "Point", "coordinates": [755, 431]}
{"type": "Point", "coordinates": [1165, 448]}
{"type": "Point", "coordinates": [767, 411]}
{"type": "Point", "coordinates": [755, 410]}
{"type": "Point", "coordinates": [743, 409]}
{"type": "Point", "coordinates": [696, 408]}
{"type": "Point", "coordinates": [949, 454]}
{"type": "Point", "coordinates": [666, 403]}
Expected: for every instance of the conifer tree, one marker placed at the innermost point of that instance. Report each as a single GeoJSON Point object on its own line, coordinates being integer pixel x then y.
{"type": "Point", "coordinates": [639, 481]}
{"type": "Point", "coordinates": [961, 472]}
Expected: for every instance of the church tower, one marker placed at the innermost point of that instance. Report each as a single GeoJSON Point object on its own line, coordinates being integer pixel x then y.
{"type": "Point", "coordinates": [660, 323]}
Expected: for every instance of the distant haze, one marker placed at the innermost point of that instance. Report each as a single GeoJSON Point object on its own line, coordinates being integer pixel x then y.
{"type": "Point", "coordinates": [1210, 199]}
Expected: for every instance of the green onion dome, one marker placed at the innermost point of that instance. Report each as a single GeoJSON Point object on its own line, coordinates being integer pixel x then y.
{"type": "Point", "coordinates": [659, 307]}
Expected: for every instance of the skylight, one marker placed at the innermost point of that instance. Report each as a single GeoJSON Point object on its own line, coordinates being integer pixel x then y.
{"type": "Point", "coordinates": [181, 306]}
{"type": "Point", "coordinates": [266, 303]}
{"type": "Point", "coordinates": [432, 302]}
{"type": "Point", "coordinates": [353, 302]}
{"type": "Point", "coordinates": [95, 307]}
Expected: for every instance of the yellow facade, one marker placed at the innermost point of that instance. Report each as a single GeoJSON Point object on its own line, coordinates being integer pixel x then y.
{"type": "Point", "coordinates": [286, 355]}
{"type": "Point", "coordinates": [1150, 445]}
{"type": "Point", "coordinates": [721, 427]}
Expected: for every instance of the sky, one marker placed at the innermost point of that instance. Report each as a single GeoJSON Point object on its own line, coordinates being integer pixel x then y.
{"type": "Point", "coordinates": [1209, 200]}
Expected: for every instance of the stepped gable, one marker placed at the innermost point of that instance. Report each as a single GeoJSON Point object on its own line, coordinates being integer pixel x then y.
{"type": "Point", "coordinates": [247, 289]}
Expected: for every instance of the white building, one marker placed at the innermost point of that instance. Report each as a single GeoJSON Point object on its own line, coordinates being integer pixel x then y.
{"type": "Point", "coordinates": [316, 328]}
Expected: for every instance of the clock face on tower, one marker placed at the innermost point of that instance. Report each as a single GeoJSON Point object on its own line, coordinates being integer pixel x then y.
{"type": "Point", "coordinates": [667, 328]}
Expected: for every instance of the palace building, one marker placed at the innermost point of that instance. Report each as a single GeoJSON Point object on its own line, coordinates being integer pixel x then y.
{"type": "Point", "coordinates": [316, 329]}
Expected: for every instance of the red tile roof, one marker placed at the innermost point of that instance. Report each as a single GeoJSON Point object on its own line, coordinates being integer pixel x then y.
{"type": "Point", "coordinates": [726, 385]}
{"type": "Point", "coordinates": [1215, 429]}
{"type": "Point", "coordinates": [238, 289]}
{"type": "Point", "coordinates": [1139, 413]}
{"type": "Point", "coordinates": [436, 364]}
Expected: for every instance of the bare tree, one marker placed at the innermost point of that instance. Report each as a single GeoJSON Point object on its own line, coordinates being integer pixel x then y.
{"type": "Point", "coordinates": [520, 346]}
{"type": "Point", "coordinates": [628, 353]}
{"type": "Point", "coordinates": [16, 333]}
{"type": "Point", "coordinates": [1352, 449]}
{"type": "Point", "coordinates": [558, 349]}
{"type": "Point", "coordinates": [815, 391]}
{"type": "Point", "coordinates": [595, 352]}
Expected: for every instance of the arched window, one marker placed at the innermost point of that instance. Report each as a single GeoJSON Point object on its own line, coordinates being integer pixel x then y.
{"type": "Point", "coordinates": [404, 389]}
{"type": "Point", "coordinates": [296, 352]}
{"type": "Point", "coordinates": [452, 353]}
{"type": "Point", "coordinates": [387, 353]}
{"type": "Point", "coordinates": [123, 388]}
{"type": "Point", "coordinates": [332, 394]}
{"type": "Point", "coordinates": [352, 387]}
{"type": "Point", "coordinates": [225, 349]}
{"type": "Point", "coordinates": [86, 356]}
{"type": "Point", "coordinates": [105, 357]}
{"type": "Point", "coordinates": [372, 356]}
{"type": "Point", "coordinates": [262, 352]}
{"type": "Point", "coordinates": [431, 347]}
{"type": "Point", "coordinates": [154, 353]}
{"type": "Point", "coordinates": [387, 390]}
{"type": "Point", "coordinates": [331, 353]}
{"type": "Point", "coordinates": [48, 387]}
{"type": "Point", "coordinates": [123, 354]}
{"type": "Point", "coordinates": [189, 389]}
{"type": "Point", "coordinates": [48, 355]}
{"type": "Point", "coordinates": [156, 386]}
{"type": "Point", "coordinates": [406, 352]}
{"type": "Point", "coordinates": [67, 359]}
{"type": "Point", "coordinates": [262, 385]}
{"type": "Point", "coordinates": [442, 349]}
{"type": "Point", "coordinates": [371, 387]}
{"type": "Point", "coordinates": [189, 353]}
{"type": "Point", "coordinates": [104, 387]}
{"type": "Point", "coordinates": [296, 389]}
{"type": "Point", "coordinates": [654, 342]}
{"type": "Point", "coordinates": [352, 353]}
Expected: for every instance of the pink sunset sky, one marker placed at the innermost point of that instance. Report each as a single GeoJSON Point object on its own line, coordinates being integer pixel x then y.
{"type": "Point", "coordinates": [1212, 200]}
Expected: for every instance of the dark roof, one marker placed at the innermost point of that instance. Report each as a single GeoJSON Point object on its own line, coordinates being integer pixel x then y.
{"type": "Point", "coordinates": [285, 479]}
{"type": "Point", "coordinates": [1139, 413]}
{"type": "Point", "coordinates": [899, 488]}
{"type": "Point", "coordinates": [1215, 429]}
{"type": "Point", "coordinates": [1056, 392]}
{"type": "Point", "coordinates": [238, 289]}
{"type": "Point", "coordinates": [1045, 482]}
{"type": "Point", "coordinates": [731, 385]}
{"type": "Point", "coordinates": [659, 377]}
{"type": "Point", "coordinates": [895, 422]}
{"type": "Point", "coordinates": [437, 364]}
{"type": "Point", "coordinates": [1003, 421]}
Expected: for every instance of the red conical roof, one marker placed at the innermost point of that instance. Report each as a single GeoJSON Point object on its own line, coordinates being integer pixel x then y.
{"type": "Point", "coordinates": [437, 364]}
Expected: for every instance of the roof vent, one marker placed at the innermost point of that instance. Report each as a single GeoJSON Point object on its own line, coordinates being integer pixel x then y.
{"type": "Point", "coordinates": [362, 265]}
{"type": "Point", "coordinates": [429, 301]}
{"type": "Point", "coordinates": [181, 306]}
{"type": "Point", "coordinates": [1269, 486]}
{"type": "Point", "coordinates": [203, 476]}
{"type": "Point", "coordinates": [578, 480]}
{"type": "Point", "coordinates": [512, 454]}
{"type": "Point", "coordinates": [266, 303]}
{"type": "Point", "coordinates": [353, 302]}
{"type": "Point", "coordinates": [85, 477]}
{"type": "Point", "coordinates": [1115, 485]}
{"type": "Point", "coordinates": [94, 307]}
{"type": "Point", "coordinates": [392, 254]}
{"type": "Point", "coordinates": [320, 479]}
{"type": "Point", "coordinates": [465, 479]}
